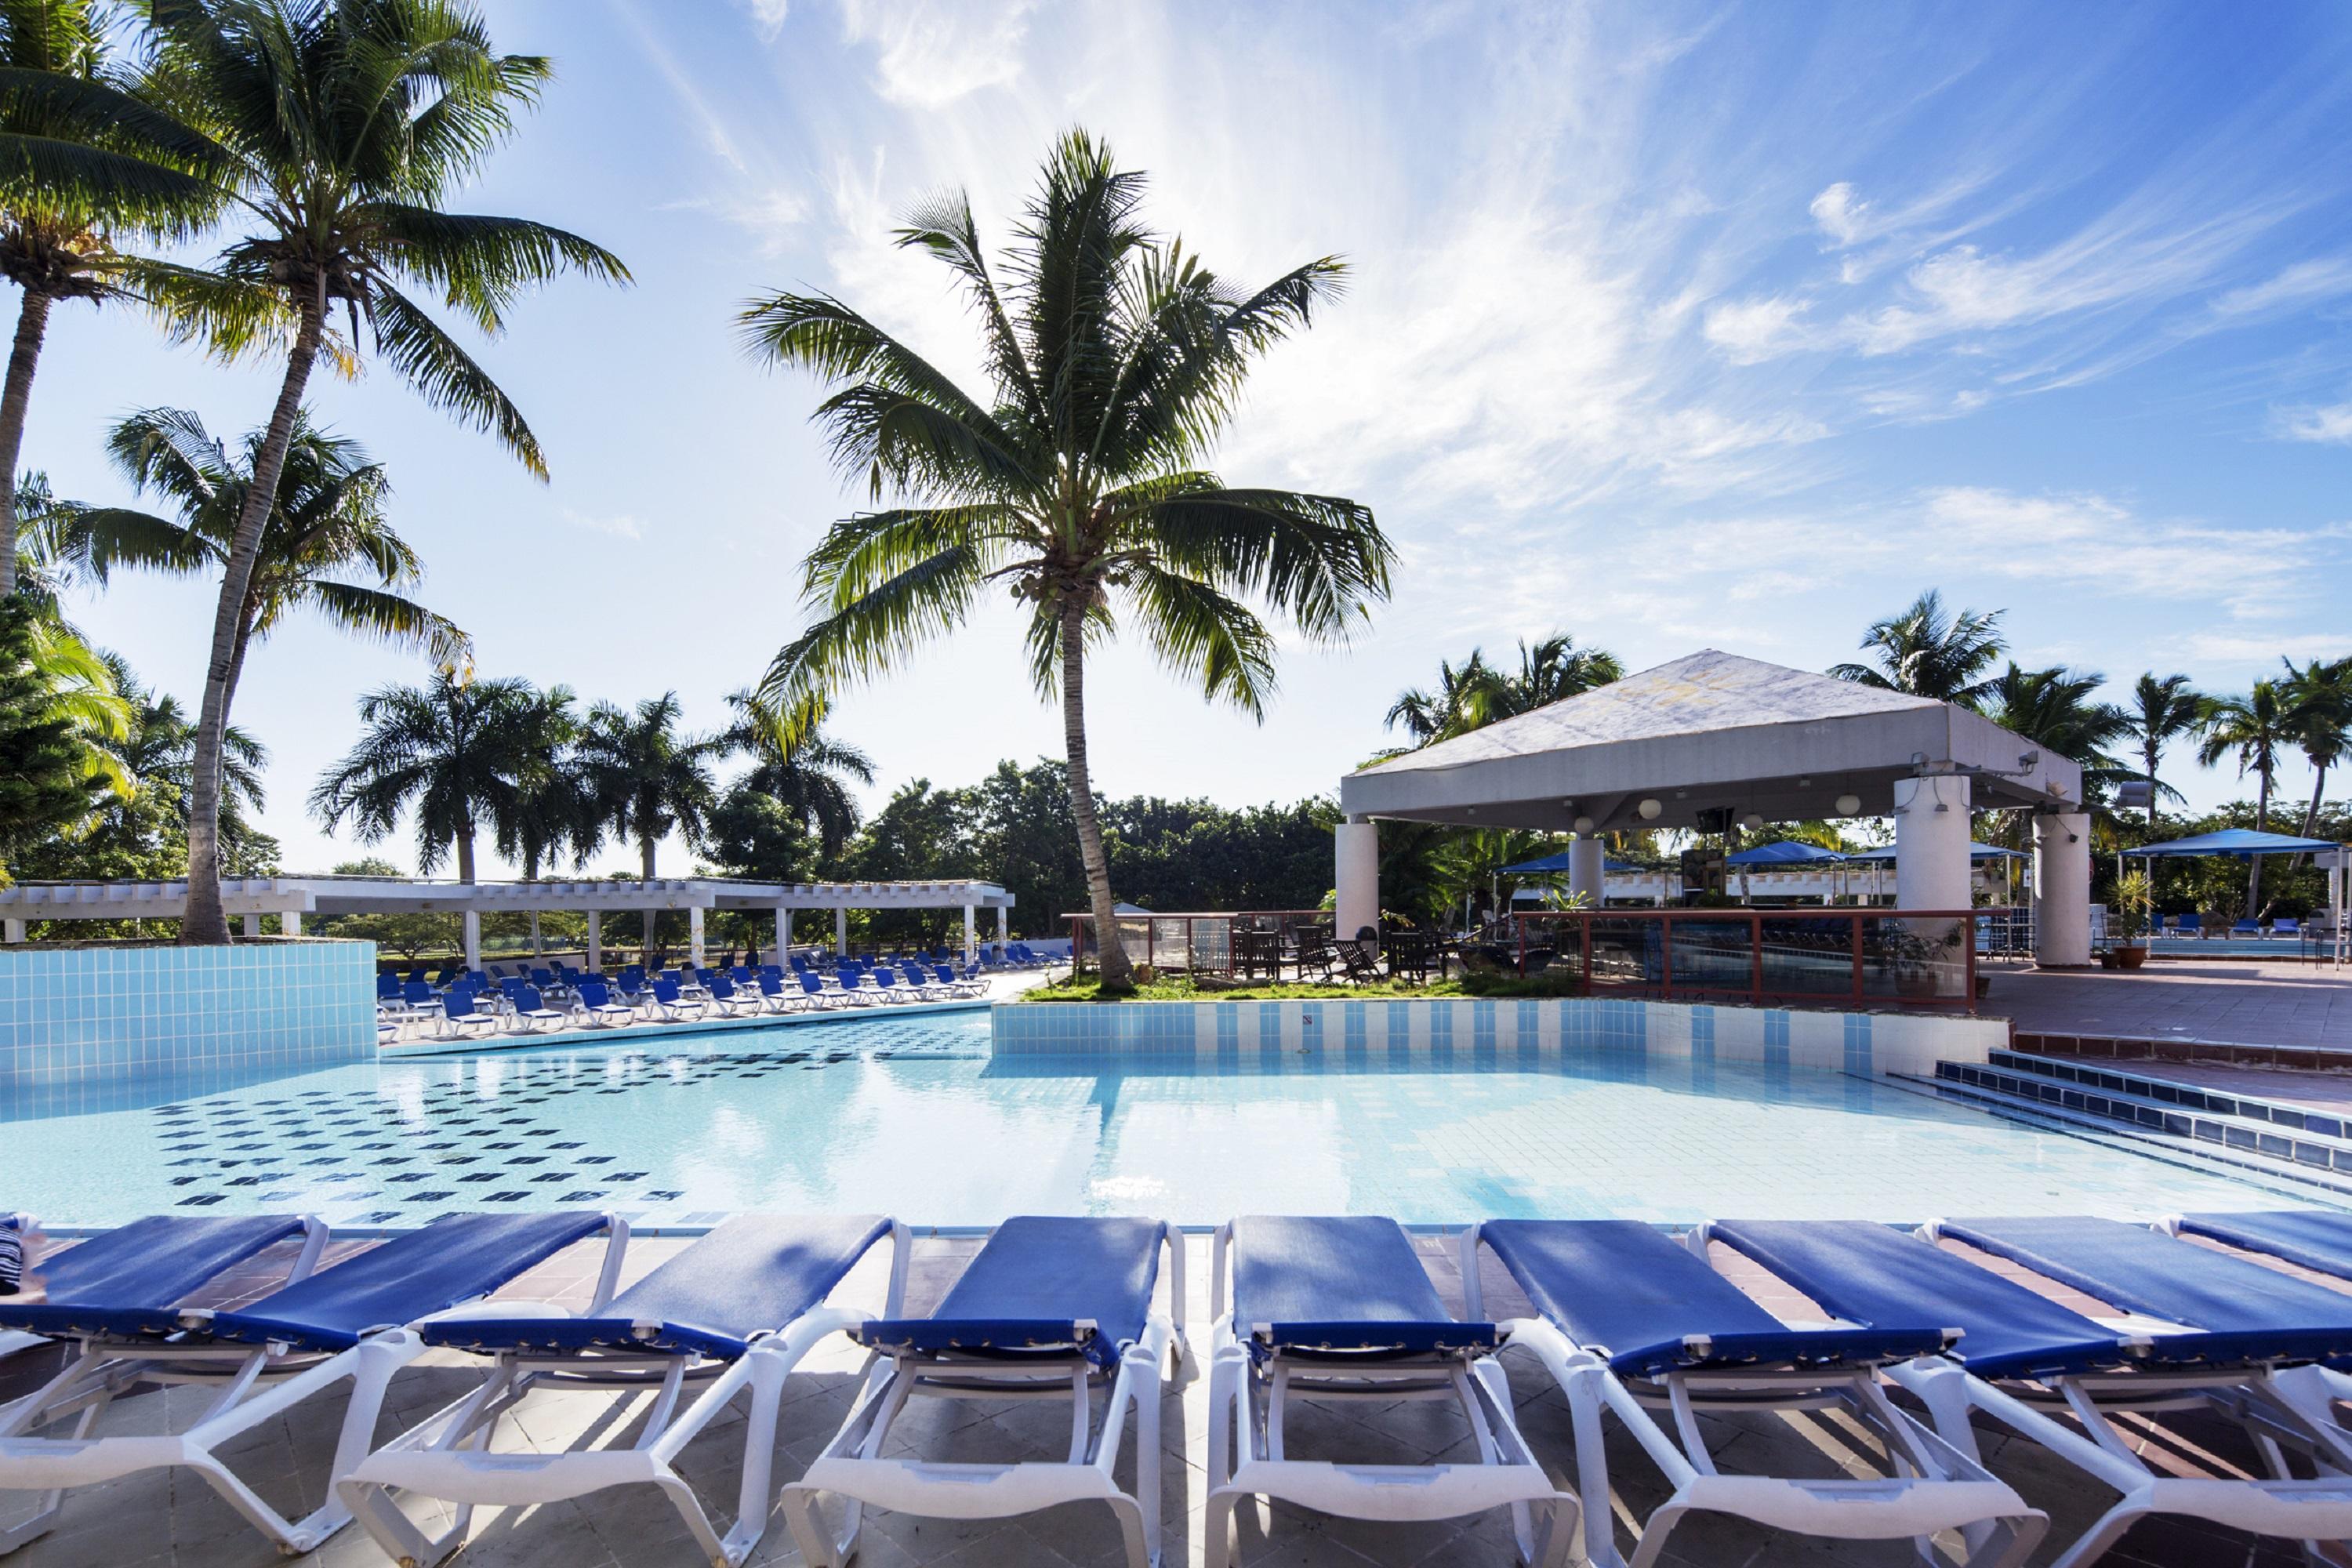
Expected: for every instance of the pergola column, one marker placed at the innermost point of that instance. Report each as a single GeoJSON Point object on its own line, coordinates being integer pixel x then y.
{"type": "Point", "coordinates": [252, 925]}
{"type": "Point", "coordinates": [970, 933]}
{"type": "Point", "coordinates": [536, 950]}
{"type": "Point", "coordinates": [12, 930]}
{"type": "Point", "coordinates": [841, 929]}
{"type": "Point", "coordinates": [1587, 871]}
{"type": "Point", "coordinates": [1002, 935]}
{"type": "Point", "coordinates": [1931, 842]}
{"type": "Point", "coordinates": [595, 941]}
{"type": "Point", "coordinates": [784, 932]}
{"type": "Point", "coordinates": [473, 940]}
{"type": "Point", "coordinates": [1356, 854]}
{"type": "Point", "coordinates": [289, 922]}
{"type": "Point", "coordinates": [694, 934]}
{"type": "Point", "coordinates": [2061, 891]}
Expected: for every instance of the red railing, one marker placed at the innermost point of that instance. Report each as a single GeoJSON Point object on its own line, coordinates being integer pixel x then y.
{"type": "Point", "coordinates": [1198, 941]}
{"type": "Point", "coordinates": [1852, 957]}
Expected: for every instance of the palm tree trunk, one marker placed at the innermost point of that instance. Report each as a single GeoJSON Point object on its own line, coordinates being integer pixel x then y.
{"type": "Point", "coordinates": [32, 323]}
{"type": "Point", "coordinates": [2254, 862]}
{"type": "Point", "coordinates": [2318, 788]}
{"type": "Point", "coordinates": [645, 870]}
{"type": "Point", "coordinates": [465, 854]}
{"type": "Point", "coordinates": [2150, 754]}
{"type": "Point", "coordinates": [204, 922]}
{"type": "Point", "coordinates": [1110, 951]}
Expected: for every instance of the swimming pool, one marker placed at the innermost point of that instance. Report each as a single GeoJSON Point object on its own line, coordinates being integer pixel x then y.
{"type": "Point", "coordinates": [915, 1118]}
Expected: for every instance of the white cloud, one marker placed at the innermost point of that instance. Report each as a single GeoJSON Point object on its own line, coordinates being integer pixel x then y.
{"type": "Point", "coordinates": [772, 216]}
{"type": "Point", "coordinates": [1838, 214]}
{"type": "Point", "coordinates": [2330, 423]}
{"type": "Point", "coordinates": [932, 52]}
{"type": "Point", "coordinates": [618, 526]}
{"type": "Point", "coordinates": [2267, 649]}
{"type": "Point", "coordinates": [2300, 284]}
{"type": "Point", "coordinates": [769, 16]}
{"type": "Point", "coordinates": [1750, 330]}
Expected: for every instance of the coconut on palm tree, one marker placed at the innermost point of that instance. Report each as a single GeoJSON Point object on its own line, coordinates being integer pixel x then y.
{"type": "Point", "coordinates": [344, 129]}
{"type": "Point", "coordinates": [801, 768]}
{"type": "Point", "coordinates": [1075, 483]}
{"type": "Point", "coordinates": [2161, 710]}
{"type": "Point", "coordinates": [327, 528]}
{"type": "Point", "coordinates": [1928, 652]}
{"type": "Point", "coordinates": [84, 164]}
{"type": "Point", "coordinates": [2257, 730]}
{"type": "Point", "coordinates": [448, 754]}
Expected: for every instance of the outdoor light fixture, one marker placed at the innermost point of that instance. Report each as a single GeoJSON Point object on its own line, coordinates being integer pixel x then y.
{"type": "Point", "coordinates": [1649, 810]}
{"type": "Point", "coordinates": [1584, 825]}
{"type": "Point", "coordinates": [1847, 804]}
{"type": "Point", "coordinates": [1752, 821]}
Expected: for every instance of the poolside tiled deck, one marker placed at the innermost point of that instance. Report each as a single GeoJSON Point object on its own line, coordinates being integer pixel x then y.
{"type": "Point", "coordinates": [172, 1520]}
{"type": "Point", "coordinates": [2239, 1003]}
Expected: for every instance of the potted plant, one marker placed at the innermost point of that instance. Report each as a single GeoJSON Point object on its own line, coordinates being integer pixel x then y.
{"type": "Point", "coordinates": [2131, 918]}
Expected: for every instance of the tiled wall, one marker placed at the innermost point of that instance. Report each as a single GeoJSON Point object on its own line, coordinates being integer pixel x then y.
{"type": "Point", "coordinates": [100, 1029]}
{"type": "Point", "coordinates": [1482, 1031]}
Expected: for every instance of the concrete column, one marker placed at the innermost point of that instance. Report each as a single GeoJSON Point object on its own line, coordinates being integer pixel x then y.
{"type": "Point", "coordinates": [1356, 851]}
{"type": "Point", "coordinates": [12, 930]}
{"type": "Point", "coordinates": [970, 933]}
{"type": "Point", "coordinates": [1931, 842]}
{"type": "Point", "coordinates": [693, 934]}
{"type": "Point", "coordinates": [253, 925]}
{"type": "Point", "coordinates": [291, 922]}
{"type": "Point", "coordinates": [2061, 891]}
{"type": "Point", "coordinates": [1586, 858]}
{"type": "Point", "coordinates": [473, 940]}
{"type": "Point", "coordinates": [841, 929]}
{"type": "Point", "coordinates": [537, 951]}
{"type": "Point", "coordinates": [783, 932]}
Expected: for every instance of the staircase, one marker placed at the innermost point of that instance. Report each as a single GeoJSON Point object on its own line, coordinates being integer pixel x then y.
{"type": "Point", "coordinates": [2207, 1127]}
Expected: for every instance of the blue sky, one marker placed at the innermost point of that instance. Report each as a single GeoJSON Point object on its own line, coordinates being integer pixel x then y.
{"type": "Point", "coordinates": [1670, 326]}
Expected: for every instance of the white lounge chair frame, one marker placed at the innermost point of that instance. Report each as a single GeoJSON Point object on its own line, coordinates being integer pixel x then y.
{"type": "Point", "coordinates": [852, 1467]}
{"type": "Point", "coordinates": [450, 1459]}
{"type": "Point", "coordinates": [99, 1368]}
{"type": "Point", "coordinates": [1252, 1400]}
{"type": "Point", "coordinates": [1937, 1486]}
{"type": "Point", "coordinates": [2282, 1409]}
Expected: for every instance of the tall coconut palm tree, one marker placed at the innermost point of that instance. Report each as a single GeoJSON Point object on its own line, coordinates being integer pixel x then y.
{"type": "Point", "coordinates": [2319, 704]}
{"type": "Point", "coordinates": [346, 127]}
{"type": "Point", "coordinates": [802, 769]}
{"type": "Point", "coordinates": [1928, 652]}
{"type": "Point", "coordinates": [327, 527]}
{"type": "Point", "coordinates": [551, 813]}
{"type": "Point", "coordinates": [1077, 483]}
{"type": "Point", "coordinates": [2161, 710]}
{"type": "Point", "coordinates": [84, 164]}
{"type": "Point", "coordinates": [646, 778]}
{"type": "Point", "coordinates": [2257, 731]}
{"type": "Point", "coordinates": [2058, 710]}
{"type": "Point", "coordinates": [159, 750]}
{"type": "Point", "coordinates": [1551, 671]}
{"type": "Point", "coordinates": [1457, 705]}
{"type": "Point", "coordinates": [449, 753]}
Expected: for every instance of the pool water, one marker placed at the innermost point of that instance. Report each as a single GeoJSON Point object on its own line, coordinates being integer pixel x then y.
{"type": "Point", "coordinates": [914, 1118]}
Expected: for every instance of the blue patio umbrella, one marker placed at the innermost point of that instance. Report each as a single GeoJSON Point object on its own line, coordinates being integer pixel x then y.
{"type": "Point", "coordinates": [1787, 852]}
{"type": "Point", "coordinates": [2236, 843]}
{"type": "Point", "coordinates": [1551, 863]}
{"type": "Point", "coordinates": [1978, 853]}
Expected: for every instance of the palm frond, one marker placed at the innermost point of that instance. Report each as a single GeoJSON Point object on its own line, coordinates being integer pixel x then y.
{"type": "Point", "coordinates": [1321, 560]}
{"type": "Point", "coordinates": [1206, 636]}
{"type": "Point", "coordinates": [388, 617]}
{"type": "Point", "coordinates": [447, 378]}
{"type": "Point", "coordinates": [101, 539]}
{"type": "Point", "coordinates": [872, 632]}
{"type": "Point", "coordinates": [480, 263]}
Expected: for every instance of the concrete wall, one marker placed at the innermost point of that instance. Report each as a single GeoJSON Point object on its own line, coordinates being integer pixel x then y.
{"type": "Point", "coordinates": [99, 1028]}
{"type": "Point", "coordinates": [1461, 1032]}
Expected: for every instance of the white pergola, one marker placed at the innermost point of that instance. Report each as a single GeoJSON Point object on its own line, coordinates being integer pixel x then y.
{"type": "Point", "coordinates": [1714, 735]}
{"type": "Point", "coordinates": [292, 897]}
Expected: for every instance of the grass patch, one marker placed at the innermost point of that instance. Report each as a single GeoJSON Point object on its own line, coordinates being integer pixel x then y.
{"type": "Point", "coordinates": [1181, 988]}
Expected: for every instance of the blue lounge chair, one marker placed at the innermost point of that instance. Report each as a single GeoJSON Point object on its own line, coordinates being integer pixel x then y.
{"type": "Point", "coordinates": [342, 1323]}
{"type": "Point", "coordinates": [814, 990]}
{"type": "Point", "coordinates": [465, 1011]}
{"type": "Point", "coordinates": [1047, 1306]}
{"type": "Point", "coordinates": [673, 1005]}
{"type": "Point", "coordinates": [736, 1310]}
{"type": "Point", "coordinates": [2287, 925]}
{"type": "Point", "coordinates": [1342, 1309]}
{"type": "Point", "coordinates": [778, 996]}
{"type": "Point", "coordinates": [2191, 925]}
{"type": "Point", "coordinates": [532, 1015]}
{"type": "Point", "coordinates": [731, 1002]}
{"type": "Point", "coordinates": [597, 1005]}
{"type": "Point", "coordinates": [1629, 1321]}
{"type": "Point", "coordinates": [2247, 927]}
{"type": "Point", "coordinates": [2022, 1356]}
{"type": "Point", "coordinates": [2316, 1239]}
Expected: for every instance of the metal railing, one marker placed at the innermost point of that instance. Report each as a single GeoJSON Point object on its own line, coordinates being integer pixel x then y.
{"type": "Point", "coordinates": [1232, 942]}
{"type": "Point", "coordinates": [1855, 957]}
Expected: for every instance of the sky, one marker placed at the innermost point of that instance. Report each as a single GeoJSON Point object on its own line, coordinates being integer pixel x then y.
{"type": "Point", "coordinates": [1668, 326]}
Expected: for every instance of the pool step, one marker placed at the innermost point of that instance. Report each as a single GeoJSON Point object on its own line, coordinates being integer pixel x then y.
{"type": "Point", "coordinates": [2240, 1129]}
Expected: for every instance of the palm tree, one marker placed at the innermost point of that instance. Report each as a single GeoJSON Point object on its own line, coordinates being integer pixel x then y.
{"type": "Point", "coordinates": [1114, 358]}
{"type": "Point", "coordinates": [345, 126]}
{"type": "Point", "coordinates": [84, 162]}
{"type": "Point", "coordinates": [1929, 653]}
{"type": "Point", "coordinates": [326, 527]}
{"type": "Point", "coordinates": [2057, 709]}
{"type": "Point", "coordinates": [1457, 705]}
{"type": "Point", "coordinates": [2160, 710]}
{"type": "Point", "coordinates": [2319, 704]}
{"type": "Point", "coordinates": [450, 752]}
{"type": "Point", "coordinates": [1552, 671]}
{"type": "Point", "coordinates": [551, 811]}
{"type": "Point", "coordinates": [807, 772]}
{"type": "Point", "coordinates": [159, 750]}
{"type": "Point", "coordinates": [2256, 729]}
{"type": "Point", "coordinates": [646, 779]}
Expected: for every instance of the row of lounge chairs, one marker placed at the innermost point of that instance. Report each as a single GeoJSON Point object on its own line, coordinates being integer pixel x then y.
{"type": "Point", "coordinates": [2188, 925]}
{"type": "Point", "coordinates": [593, 1001]}
{"type": "Point", "coordinates": [1631, 1323]}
